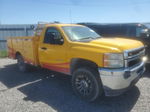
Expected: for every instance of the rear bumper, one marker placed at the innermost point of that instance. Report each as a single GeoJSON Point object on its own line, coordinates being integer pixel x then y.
{"type": "Point", "coordinates": [117, 81]}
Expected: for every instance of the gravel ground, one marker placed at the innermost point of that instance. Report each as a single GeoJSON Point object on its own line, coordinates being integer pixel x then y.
{"type": "Point", "coordinates": [44, 91]}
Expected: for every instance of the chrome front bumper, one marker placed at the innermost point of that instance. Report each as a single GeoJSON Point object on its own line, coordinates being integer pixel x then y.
{"type": "Point", "coordinates": [116, 81]}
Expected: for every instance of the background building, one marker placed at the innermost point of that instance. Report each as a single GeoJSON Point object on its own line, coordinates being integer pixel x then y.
{"type": "Point", "coordinates": [7, 31]}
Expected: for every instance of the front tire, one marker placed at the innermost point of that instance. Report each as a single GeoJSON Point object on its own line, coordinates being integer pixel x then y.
{"type": "Point", "coordinates": [86, 84]}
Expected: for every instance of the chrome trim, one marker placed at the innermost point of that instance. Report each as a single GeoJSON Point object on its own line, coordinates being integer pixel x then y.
{"type": "Point", "coordinates": [131, 50]}
{"type": "Point", "coordinates": [133, 57]}
{"type": "Point", "coordinates": [121, 78]}
{"type": "Point", "coordinates": [115, 78]}
{"type": "Point", "coordinates": [139, 54]}
{"type": "Point", "coordinates": [122, 69]}
{"type": "Point", "coordinates": [126, 63]}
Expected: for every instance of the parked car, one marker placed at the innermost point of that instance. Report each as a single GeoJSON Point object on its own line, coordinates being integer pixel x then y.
{"type": "Point", "coordinates": [97, 65]}
{"type": "Point", "coordinates": [135, 31]}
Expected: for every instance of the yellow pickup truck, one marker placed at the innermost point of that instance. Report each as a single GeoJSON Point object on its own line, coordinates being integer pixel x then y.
{"type": "Point", "coordinates": [97, 65]}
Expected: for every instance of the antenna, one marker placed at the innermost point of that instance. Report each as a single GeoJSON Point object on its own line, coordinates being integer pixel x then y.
{"type": "Point", "coordinates": [70, 15]}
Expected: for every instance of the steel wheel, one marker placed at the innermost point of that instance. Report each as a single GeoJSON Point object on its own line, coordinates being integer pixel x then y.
{"type": "Point", "coordinates": [86, 84]}
{"type": "Point", "coordinates": [83, 84]}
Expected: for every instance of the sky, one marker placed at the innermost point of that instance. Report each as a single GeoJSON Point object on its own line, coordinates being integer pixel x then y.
{"type": "Point", "coordinates": [74, 11]}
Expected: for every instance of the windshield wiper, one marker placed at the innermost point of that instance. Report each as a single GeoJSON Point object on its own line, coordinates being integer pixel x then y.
{"type": "Point", "coordinates": [87, 38]}
{"type": "Point", "coordinates": [97, 37]}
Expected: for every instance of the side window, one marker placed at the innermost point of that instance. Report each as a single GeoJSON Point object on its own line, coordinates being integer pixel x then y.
{"type": "Point", "coordinates": [138, 31]}
{"type": "Point", "coordinates": [52, 36]}
{"type": "Point", "coordinates": [132, 31]}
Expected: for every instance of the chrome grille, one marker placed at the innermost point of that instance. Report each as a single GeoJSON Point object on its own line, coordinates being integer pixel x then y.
{"type": "Point", "coordinates": [136, 52]}
{"type": "Point", "coordinates": [133, 57]}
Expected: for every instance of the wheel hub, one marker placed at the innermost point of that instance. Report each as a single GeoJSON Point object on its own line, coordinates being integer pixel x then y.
{"type": "Point", "coordinates": [84, 84]}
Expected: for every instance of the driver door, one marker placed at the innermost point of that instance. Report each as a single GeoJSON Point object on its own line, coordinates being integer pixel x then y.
{"type": "Point", "coordinates": [52, 51]}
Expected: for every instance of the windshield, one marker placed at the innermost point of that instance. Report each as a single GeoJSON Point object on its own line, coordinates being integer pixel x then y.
{"type": "Point", "coordinates": [77, 33]}
{"type": "Point", "coordinates": [147, 25]}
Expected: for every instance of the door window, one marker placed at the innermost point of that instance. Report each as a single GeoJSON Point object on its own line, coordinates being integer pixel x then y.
{"type": "Point", "coordinates": [52, 35]}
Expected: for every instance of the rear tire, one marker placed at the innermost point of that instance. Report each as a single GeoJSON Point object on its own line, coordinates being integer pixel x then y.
{"type": "Point", "coordinates": [22, 66]}
{"type": "Point", "coordinates": [86, 84]}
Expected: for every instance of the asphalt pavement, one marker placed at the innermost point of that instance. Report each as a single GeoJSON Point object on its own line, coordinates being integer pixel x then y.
{"type": "Point", "coordinates": [41, 90]}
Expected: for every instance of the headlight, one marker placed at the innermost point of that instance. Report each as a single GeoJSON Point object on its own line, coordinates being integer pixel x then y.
{"type": "Point", "coordinates": [144, 30]}
{"type": "Point", "coordinates": [144, 59]}
{"type": "Point", "coordinates": [113, 60]}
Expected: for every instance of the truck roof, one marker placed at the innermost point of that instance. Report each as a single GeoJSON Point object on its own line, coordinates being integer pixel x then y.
{"type": "Point", "coordinates": [40, 27]}
{"type": "Point", "coordinates": [63, 25]}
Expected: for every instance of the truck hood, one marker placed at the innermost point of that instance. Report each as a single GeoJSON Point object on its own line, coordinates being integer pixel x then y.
{"type": "Point", "coordinates": [120, 43]}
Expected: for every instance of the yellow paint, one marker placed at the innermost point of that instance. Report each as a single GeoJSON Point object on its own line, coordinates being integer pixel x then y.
{"type": "Point", "coordinates": [58, 54]}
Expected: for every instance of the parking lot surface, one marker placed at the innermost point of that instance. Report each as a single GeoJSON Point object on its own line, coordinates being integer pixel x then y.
{"type": "Point", "coordinates": [46, 91]}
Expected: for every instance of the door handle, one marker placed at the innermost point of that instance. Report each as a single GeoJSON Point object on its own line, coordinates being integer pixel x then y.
{"type": "Point", "coordinates": [43, 48]}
